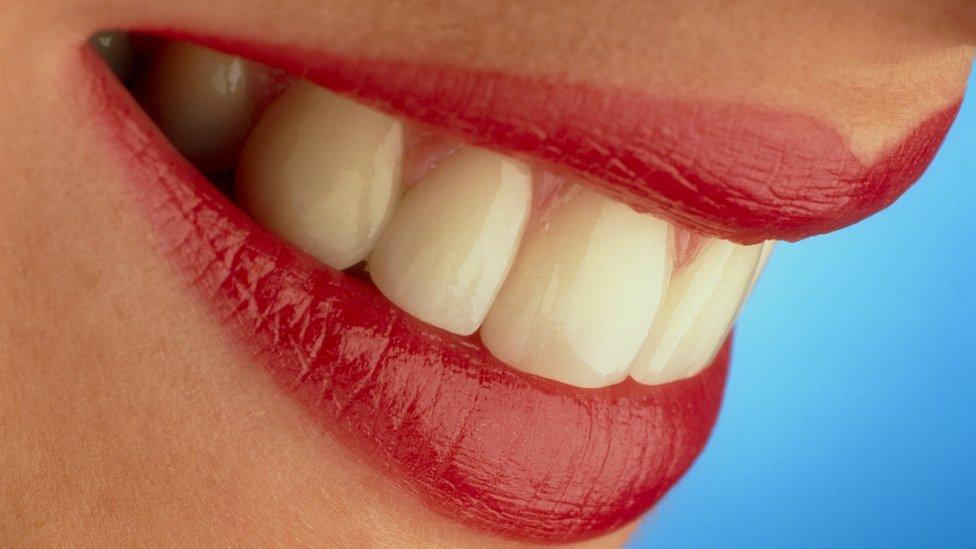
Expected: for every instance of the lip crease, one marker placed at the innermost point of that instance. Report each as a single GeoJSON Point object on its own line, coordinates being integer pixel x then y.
{"type": "Point", "coordinates": [734, 171]}
{"type": "Point", "coordinates": [499, 450]}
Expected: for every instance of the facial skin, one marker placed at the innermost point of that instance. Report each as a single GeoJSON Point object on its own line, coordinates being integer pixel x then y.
{"type": "Point", "coordinates": [125, 414]}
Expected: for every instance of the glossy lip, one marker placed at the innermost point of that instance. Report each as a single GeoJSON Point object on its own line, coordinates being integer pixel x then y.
{"type": "Point", "coordinates": [733, 171]}
{"type": "Point", "coordinates": [499, 450]}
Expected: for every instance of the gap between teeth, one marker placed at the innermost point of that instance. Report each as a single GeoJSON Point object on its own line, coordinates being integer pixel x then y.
{"type": "Point", "coordinates": [561, 281]}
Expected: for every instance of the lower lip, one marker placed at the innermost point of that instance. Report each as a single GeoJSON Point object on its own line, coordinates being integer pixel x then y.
{"type": "Point", "coordinates": [502, 451]}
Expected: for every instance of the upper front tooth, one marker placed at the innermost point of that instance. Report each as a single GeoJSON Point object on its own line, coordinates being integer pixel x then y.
{"type": "Point", "coordinates": [452, 239]}
{"type": "Point", "coordinates": [202, 100]}
{"type": "Point", "coordinates": [582, 293]}
{"type": "Point", "coordinates": [701, 304]}
{"type": "Point", "coordinates": [323, 172]}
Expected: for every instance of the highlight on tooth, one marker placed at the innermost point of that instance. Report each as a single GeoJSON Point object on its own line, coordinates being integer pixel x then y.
{"type": "Point", "coordinates": [699, 308]}
{"type": "Point", "coordinates": [323, 172]}
{"type": "Point", "coordinates": [764, 255]}
{"type": "Point", "coordinates": [582, 294]}
{"type": "Point", "coordinates": [551, 277]}
{"type": "Point", "coordinates": [452, 239]}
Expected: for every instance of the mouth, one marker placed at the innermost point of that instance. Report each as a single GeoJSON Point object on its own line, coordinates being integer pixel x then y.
{"type": "Point", "coordinates": [512, 295]}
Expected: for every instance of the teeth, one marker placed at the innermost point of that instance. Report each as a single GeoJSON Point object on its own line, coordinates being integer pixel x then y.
{"type": "Point", "coordinates": [115, 49]}
{"type": "Point", "coordinates": [452, 239]}
{"type": "Point", "coordinates": [582, 294]}
{"type": "Point", "coordinates": [767, 251]}
{"type": "Point", "coordinates": [202, 100]}
{"type": "Point", "coordinates": [322, 172]}
{"type": "Point", "coordinates": [562, 282]}
{"type": "Point", "coordinates": [701, 304]}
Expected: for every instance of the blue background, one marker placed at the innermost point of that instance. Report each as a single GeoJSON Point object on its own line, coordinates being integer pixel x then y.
{"type": "Point", "coordinates": [850, 410]}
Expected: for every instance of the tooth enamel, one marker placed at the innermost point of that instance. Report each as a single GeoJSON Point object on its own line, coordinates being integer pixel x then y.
{"type": "Point", "coordinates": [702, 302]}
{"type": "Point", "coordinates": [452, 239]}
{"type": "Point", "coordinates": [767, 251]}
{"type": "Point", "coordinates": [323, 172]}
{"type": "Point", "coordinates": [115, 49]}
{"type": "Point", "coordinates": [582, 294]}
{"type": "Point", "coordinates": [203, 101]}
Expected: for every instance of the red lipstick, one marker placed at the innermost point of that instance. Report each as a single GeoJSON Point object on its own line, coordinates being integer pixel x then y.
{"type": "Point", "coordinates": [502, 451]}
{"type": "Point", "coordinates": [733, 171]}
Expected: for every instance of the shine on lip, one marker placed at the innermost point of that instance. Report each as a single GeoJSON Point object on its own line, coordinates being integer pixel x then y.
{"type": "Point", "coordinates": [502, 451]}
{"type": "Point", "coordinates": [733, 171]}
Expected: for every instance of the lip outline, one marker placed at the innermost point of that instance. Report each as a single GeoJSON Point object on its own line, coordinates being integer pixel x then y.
{"type": "Point", "coordinates": [180, 202]}
{"type": "Point", "coordinates": [796, 178]}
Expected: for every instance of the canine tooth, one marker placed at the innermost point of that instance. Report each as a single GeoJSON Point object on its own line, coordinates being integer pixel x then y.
{"type": "Point", "coordinates": [452, 239]}
{"type": "Point", "coordinates": [701, 304]}
{"type": "Point", "coordinates": [323, 172]}
{"type": "Point", "coordinates": [582, 294]}
{"type": "Point", "coordinates": [115, 49]}
{"type": "Point", "coordinates": [202, 100]}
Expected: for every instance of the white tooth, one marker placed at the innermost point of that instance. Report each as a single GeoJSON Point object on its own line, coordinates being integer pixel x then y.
{"type": "Point", "coordinates": [453, 238]}
{"type": "Point", "coordinates": [767, 251]}
{"type": "Point", "coordinates": [701, 305]}
{"type": "Point", "coordinates": [323, 172]}
{"type": "Point", "coordinates": [582, 293]}
{"type": "Point", "coordinates": [202, 100]}
{"type": "Point", "coordinates": [115, 49]}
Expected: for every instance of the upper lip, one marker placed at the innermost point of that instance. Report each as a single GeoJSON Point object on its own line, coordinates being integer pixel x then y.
{"type": "Point", "coordinates": [734, 171]}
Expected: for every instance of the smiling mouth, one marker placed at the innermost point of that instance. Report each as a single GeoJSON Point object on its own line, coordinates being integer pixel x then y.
{"type": "Point", "coordinates": [520, 312]}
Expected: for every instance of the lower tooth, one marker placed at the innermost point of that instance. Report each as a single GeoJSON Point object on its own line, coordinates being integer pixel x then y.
{"type": "Point", "coordinates": [202, 100]}
{"type": "Point", "coordinates": [452, 240]}
{"type": "Point", "coordinates": [701, 305]}
{"type": "Point", "coordinates": [582, 293]}
{"type": "Point", "coordinates": [323, 172]}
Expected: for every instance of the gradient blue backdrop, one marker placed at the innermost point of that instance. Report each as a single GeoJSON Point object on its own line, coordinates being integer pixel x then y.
{"type": "Point", "coordinates": [850, 410]}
